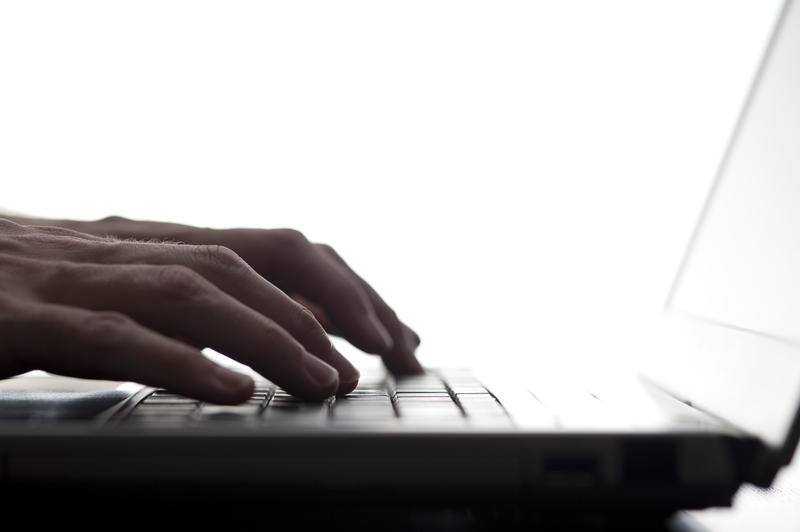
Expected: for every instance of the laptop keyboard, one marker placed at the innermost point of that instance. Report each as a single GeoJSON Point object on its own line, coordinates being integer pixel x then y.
{"type": "Point", "coordinates": [426, 399]}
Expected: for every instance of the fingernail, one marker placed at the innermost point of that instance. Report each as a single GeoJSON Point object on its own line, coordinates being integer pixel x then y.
{"type": "Point", "coordinates": [321, 373]}
{"type": "Point", "coordinates": [383, 336]}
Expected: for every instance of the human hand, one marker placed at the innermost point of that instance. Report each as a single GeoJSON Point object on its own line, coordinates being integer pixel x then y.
{"type": "Point", "coordinates": [87, 306]}
{"type": "Point", "coordinates": [316, 276]}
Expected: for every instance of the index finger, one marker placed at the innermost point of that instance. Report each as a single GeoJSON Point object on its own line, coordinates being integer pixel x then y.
{"type": "Point", "coordinates": [400, 359]}
{"type": "Point", "coordinates": [231, 274]}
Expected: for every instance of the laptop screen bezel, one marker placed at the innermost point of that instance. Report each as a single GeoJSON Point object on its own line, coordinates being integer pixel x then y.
{"type": "Point", "coordinates": [699, 356]}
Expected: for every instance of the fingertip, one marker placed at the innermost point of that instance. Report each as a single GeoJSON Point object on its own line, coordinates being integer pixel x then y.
{"type": "Point", "coordinates": [323, 377]}
{"type": "Point", "coordinates": [348, 373]}
{"type": "Point", "coordinates": [230, 387]}
{"type": "Point", "coordinates": [404, 360]}
{"type": "Point", "coordinates": [413, 367]}
{"type": "Point", "coordinates": [403, 363]}
{"type": "Point", "coordinates": [411, 337]}
{"type": "Point", "coordinates": [347, 387]}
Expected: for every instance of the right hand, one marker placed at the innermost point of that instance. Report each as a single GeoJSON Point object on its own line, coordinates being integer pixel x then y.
{"type": "Point", "coordinates": [86, 306]}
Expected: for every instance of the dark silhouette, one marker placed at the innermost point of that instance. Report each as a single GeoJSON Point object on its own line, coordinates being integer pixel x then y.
{"type": "Point", "coordinates": [136, 301]}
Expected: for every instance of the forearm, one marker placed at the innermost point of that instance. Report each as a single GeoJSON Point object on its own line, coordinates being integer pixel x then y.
{"type": "Point", "coordinates": [118, 227]}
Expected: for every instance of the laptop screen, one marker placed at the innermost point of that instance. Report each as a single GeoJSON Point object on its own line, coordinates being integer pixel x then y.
{"type": "Point", "coordinates": [741, 273]}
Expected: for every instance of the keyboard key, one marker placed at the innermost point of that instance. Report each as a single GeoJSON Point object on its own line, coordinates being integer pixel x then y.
{"type": "Point", "coordinates": [166, 398]}
{"type": "Point", "coordinates": [243, 412]}
{"type": "Point", "coordinates": [161, 414]}
{"type": "Point", "coordinates": [377, 385]}
{"type": "Point", "coordinates": [295, 413]}
{"type": "Point", "coordinates": [425, 399]}
{"type": "Point", "coordinates": [429, 410]}
{"type": "Point", "coordinates": [360, 411]}
{"type": "Point", "coordinates": [138, 418]}
{"type": "Point", "coordinates": [367, 393]}
{"type": "Point", "coordinates": [259, 398]}
{"type": "Point", "coordinates": [166, 409]}
{"type": "Point", "coordinates": [467, 388]}
{"type": "Point", "coordinates": [480, 405]}
{"type": "Point", "coordinates": [421, 389]}
{"type": "Point", "coordinates": [425, 383]}
{"type": "Point", "coordinates": [407, 394]}
{"type": "Point", "coordinates": [364, 398]}
{"type": "Point", "coordinates": [288, 400]}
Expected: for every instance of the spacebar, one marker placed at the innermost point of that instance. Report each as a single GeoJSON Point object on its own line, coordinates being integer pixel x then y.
{"type": "Point", "coordinates": [296, 414]}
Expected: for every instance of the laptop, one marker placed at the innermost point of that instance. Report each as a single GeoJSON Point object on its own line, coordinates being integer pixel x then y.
{"type": "Point", "coordinates": [719, 406]}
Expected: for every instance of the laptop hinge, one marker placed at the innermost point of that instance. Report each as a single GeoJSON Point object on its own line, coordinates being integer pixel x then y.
{"type": "Point", "coordinates": [756, 462]}
{"type": "Point", "coordinates": [762, 466]}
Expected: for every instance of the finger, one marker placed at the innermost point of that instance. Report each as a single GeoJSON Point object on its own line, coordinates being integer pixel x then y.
{"type": "Point", "coordinates": [11, 309]}
{"type": "Point", "coordinates": [175, 300]}
{"type": "Point", "coordinates": [315, 276]}
{"type": "Point", "coordinates": [108, 345]}
{"type": "Point", "coordinates": [319, 314]}
{"type": "Point", "coordinates": [233, 275]}
{"type": "Point", "coordinates": [401, 358]}
{"type": "Point", "coordinates": [226, 270]}
{"type": "Point", "coordinates": [410, 337]}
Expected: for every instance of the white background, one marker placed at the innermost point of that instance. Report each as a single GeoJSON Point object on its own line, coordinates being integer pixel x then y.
{"type": "Point", "coordinates": [518, 179]}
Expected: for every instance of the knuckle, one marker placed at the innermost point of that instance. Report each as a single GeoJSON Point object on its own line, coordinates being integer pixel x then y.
{"type": "Point", "coordinates": [180, 282]}
{"type": "Point", "coordinates": [21, 274]}
{"type": "Point", "coordinates": [56, 278]}
{"type": "Point", "coordinates": [306, 323]}
{"type": "Point", "coordinates": [115, 250]}
{"type": "Point", "coordinates": [348, 291]}
{"type": "Point", "coordinates": [327, 248]}
{"type": "Point", "coordinates": [106, 328]}
{"type": "Point", "coordinates": [389, 315]}
{"type": "Point", "coordinates": [271, 335]}
{"type": "Point", "coordinates": [330, 251]}
{"type": "Point", "coordinates": [277, 339]}
{"type": "Point", "coordinates": [289, 251]}
{"type": "Point", "coordinates": [114, 218]}
{"type": "Point", "coordinates": [18, 319]}
{"type": "Point", "coordinates": [12, 311]}
{"type": "Point", "coordinates": [290, 239]}
{"type": "Point", "coordinates": [13, 315]}
{"type": "Point", "coordinates": [219, 257]}
{"type": "Point", "coordinates": [309, 331]}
